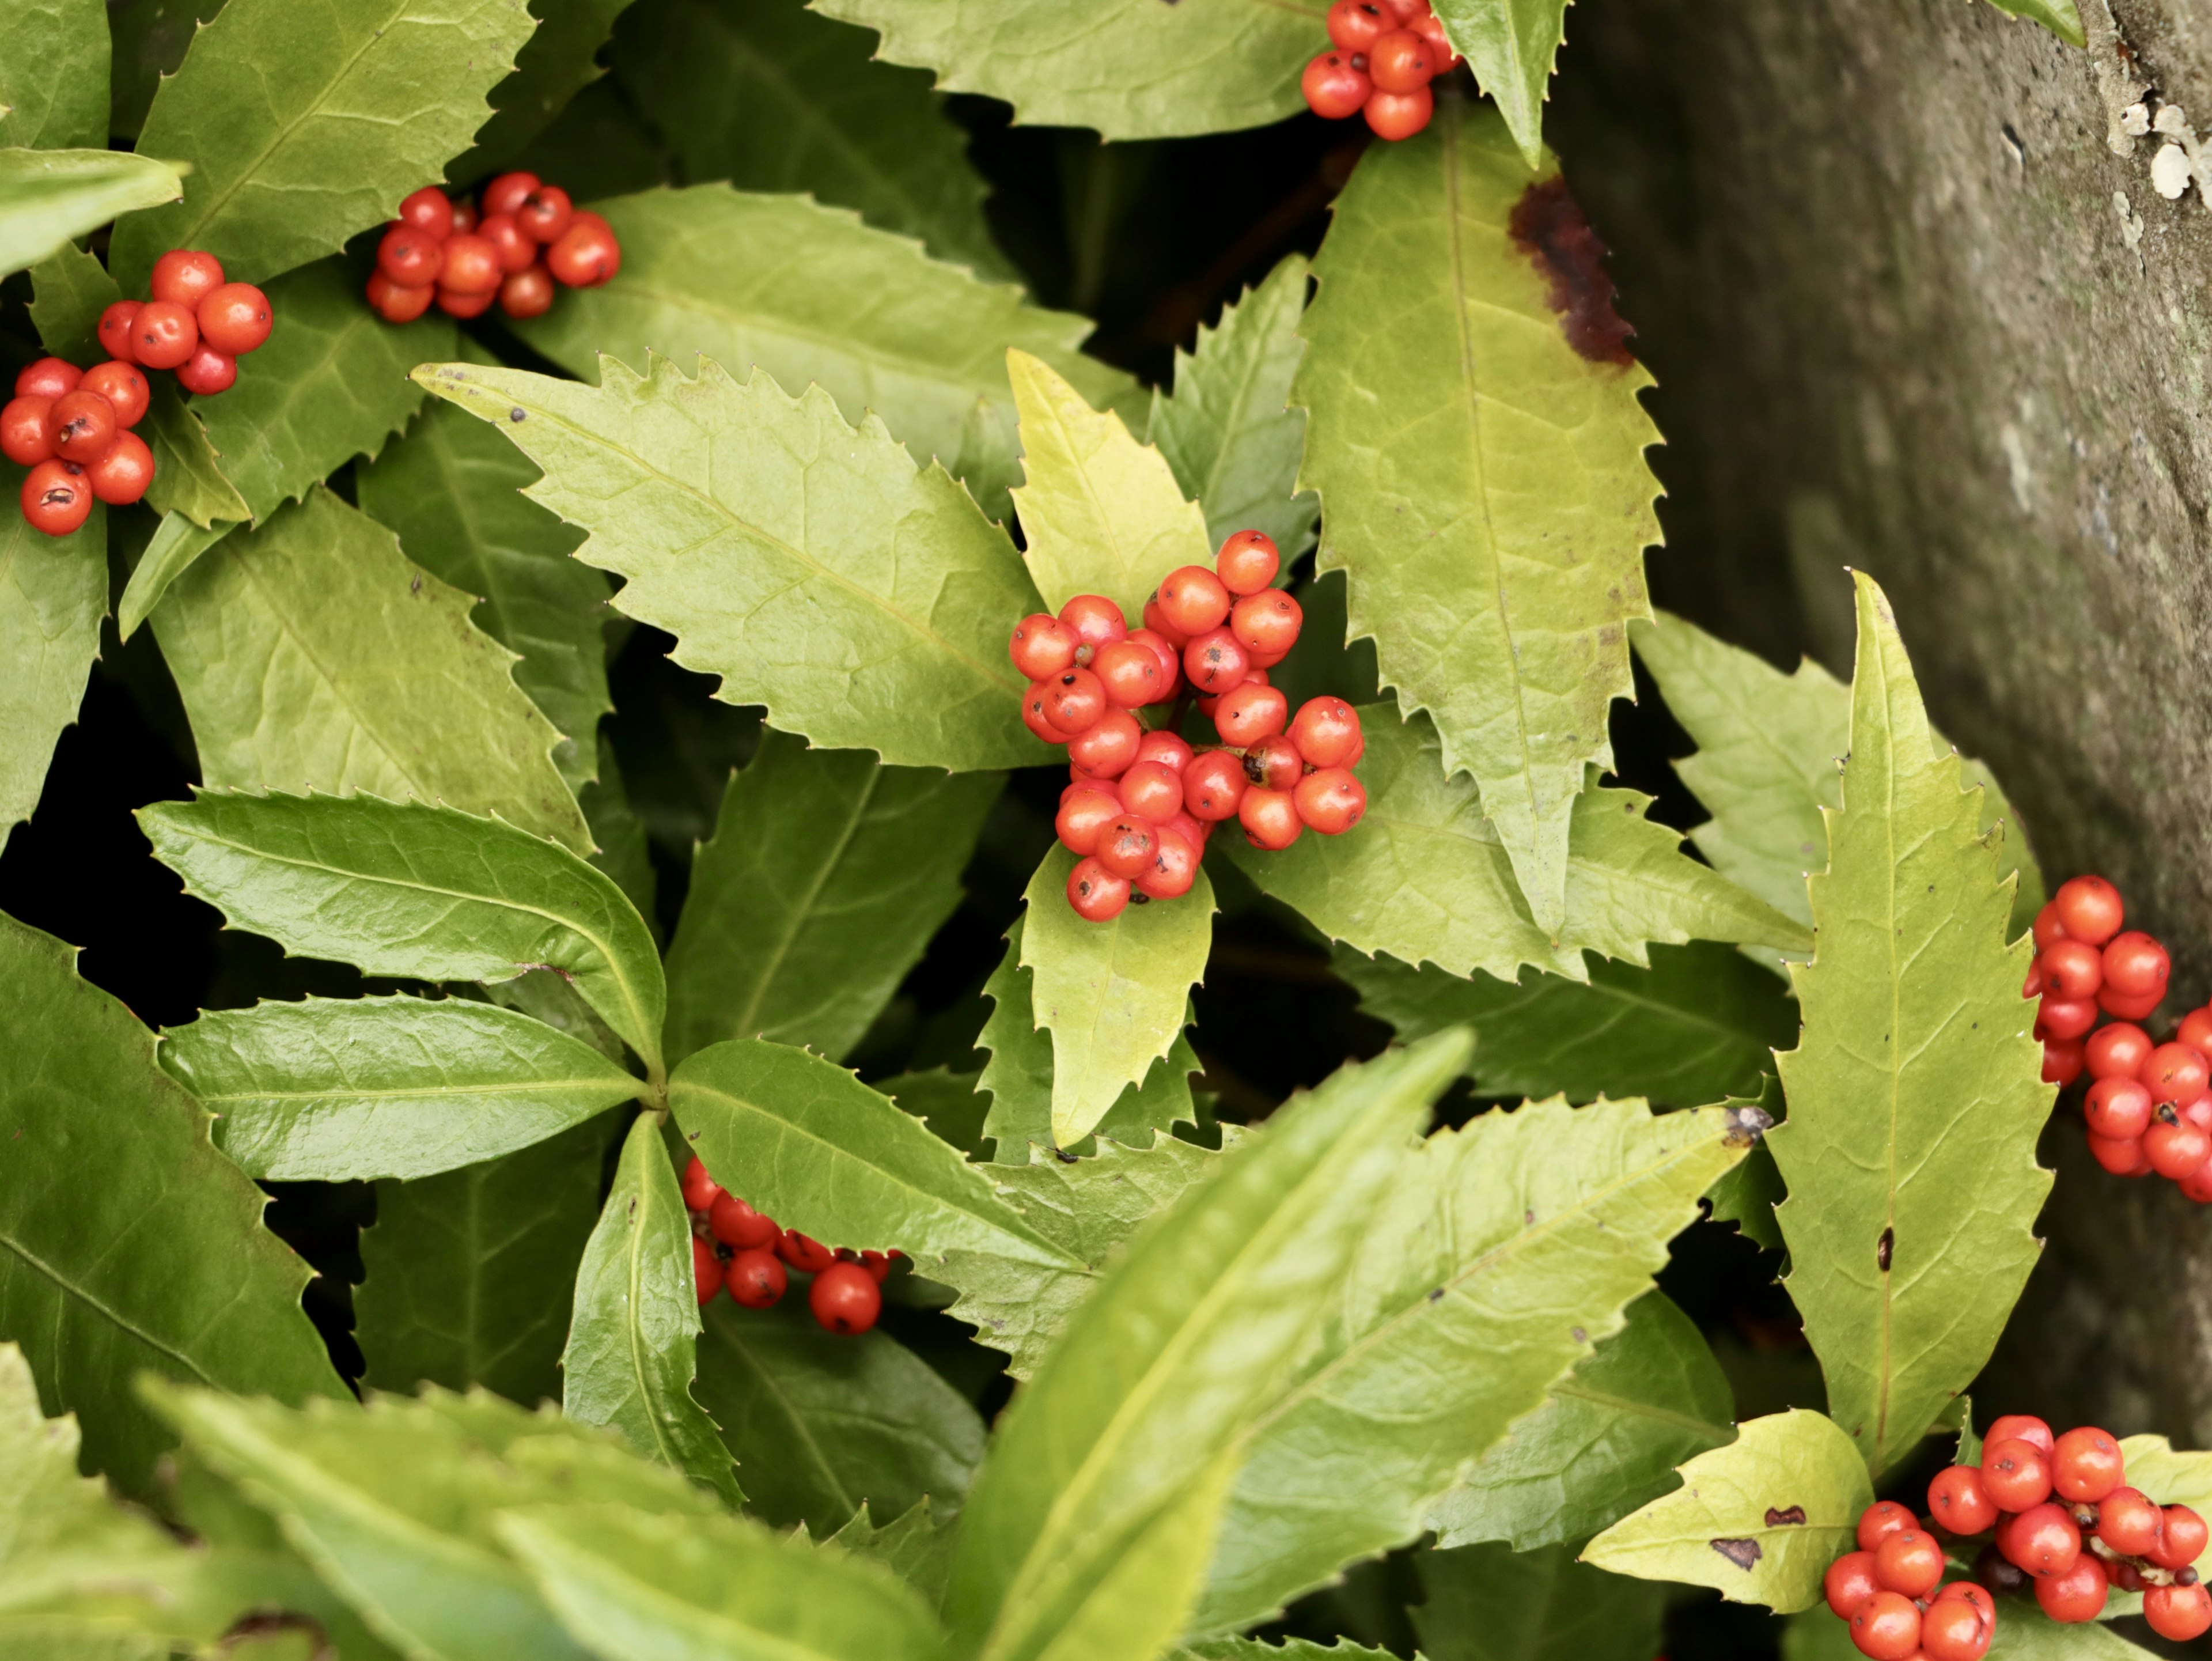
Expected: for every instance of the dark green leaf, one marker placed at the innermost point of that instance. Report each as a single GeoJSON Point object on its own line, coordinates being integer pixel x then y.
{"type": "Point", "coordinates": [49, 197]}
{"type": "Point", "coordinates": [188, 478]}
{"type": "Point", "coordinates": [150, 39]}
{"type": "Point", "coordinates": [826, 876]}
{"type": "Point", "coordinates": [821, 1424]}
{"type": "Point", "coordinates": [1489, 1604]}
{"type": "Point", "coordinates": [915, 1547]}
{"type": "Point", "coordinates": [559, 60]}
{"type": "Point", "coordinates": [622, 852]}
{"type": "Point", "coordinates": [162, 1263]}
{"type": "Point", "coordinates": [53, 81]}
{"type": "Point", "coordinates": [53, 592]}
{"type": "Point", "coordinates": [69, 291]}
{"type": "Point", "coordinates": [1747, 1197]}
{"type": "Point", "coordinates": [176, 543]}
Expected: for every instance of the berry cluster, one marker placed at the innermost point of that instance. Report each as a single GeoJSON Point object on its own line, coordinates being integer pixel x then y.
{"type": "Point", "coordinates": [734, 1246]}
{"type": "Point", "coordinates": [1142, 805]}
{"type": "Point", "coordinates": [2096, 1534]}
{"type": "Point", "coordinates": [527, 236]}
{"type": "Point", "coordinates": [195, 323]}
{"type": "Point", "coordinates": [1385, 54]}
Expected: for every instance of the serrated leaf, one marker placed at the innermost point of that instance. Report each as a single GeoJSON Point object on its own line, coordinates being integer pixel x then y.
{"type": "Point", "coordinates": [1507, 1248]}
{"type": "Point", "coordinates": [1917, 1078]}
{"type": "Point", "coordinates": [1100, 514]}
{"type": "Point", "coordinates": [1491, 1604]}
{"type": "Point", "coordinates": [632, 1339]}
{"type": "Point", "coordinates": [623, 853]}
{"type": "Point", "coordinates": [346, 1089]}
{"type": "Point", "coordinates": [949, 1103]}
{"type": "Point", "coordinates": [1494, 544]}
{"type": "Point", "coordinates": [637, 1587]}
{"type": "Point", "coordinates": [558, 61]}
{"type": "Point", "coordinates": [808, 293]}
{"type": "Point", "coordinates": [1699, 1023]}
{"type": "Point", "coordinates": [176, 543]}
{"type": "Point", "coordinates": [69, 289]}
{"type": "Point", "coordinates": [329, 384]}
{"type": "Point", "coordinates": [54, 593]}
{"type": "Point", "coordinates": [1090, 1524]}
{"type": "Point", "coordinates": [470, 1273]}
{"type": "Point", "coordinates": [914, 1546]}
{"type": "Point", "coordinates": [2062, 17]}
{"type": "Point", "coordinates": [1132, 69]}
{"type": "Point", "coordinates": [812, 566]}
{"type": "Point", "coordinates": [53, 197]}
{"type": "Point", "coordinates": [1227, 428]}
{"type": "Point", "coordinates": [53, 85]}
{"type": "Point", "coordinates": [309, 122]}
{"type": "Point", "coordinates": [425, 892]}
{"type": "Point", "coordinates": [825, 879]}
{"type": "Point", "coordinates": [1760, 1520]}
{"type": "Point", "coordinates": [450, 488]}
{"type": "Point", "coordinates": [1605, 1440]}
{"type": "Point", "coordinates": [1747, 1197]}
{"type": "Point", "coordinates": [1114, 994]}
{"type": "Point", "coordinates": [823, 1425]}
{"type": "Point", "coordinates": [1512, 46]}
{"type": "Point", "coordinates": [162, 1264]}
{"type": "Point", "coordinates": [1425, 877]}
{"type": "Point", "coordinates": [773, 97]}
{"type": "Point", "coordinates": [188, 478]}
{"type": "Point", "coordinates": [1292, 1649]}
{"type": "Point", "coordinates": [311, 655]}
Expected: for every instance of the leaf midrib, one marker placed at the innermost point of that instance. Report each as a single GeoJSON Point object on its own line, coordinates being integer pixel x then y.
{"type": "Point", "coordinates": [801, 1429]}
{"type": "Point", "coordinates": [340, 1096]}
{"type": "Point", "coordinates": [69, 1289]}
{"type": "Point", "coordinates": [1715, 1435]}
{"type": "Point", "coordinates": [641, 1355]}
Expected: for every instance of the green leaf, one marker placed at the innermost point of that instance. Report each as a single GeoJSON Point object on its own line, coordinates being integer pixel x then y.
{"type": "Point", "coordinates": [470, 1273]}
{"type": "Point", "coordinates": [1700, 1024]}
{"type": "Point", "coordinates": [1100, 514]}
{"type": "Point", "coordinates": [1760, 1519]}
{"type": "Point", "coordinates": [71, 289]}
{"type": "Point", "coordinates": [1132, 69]}
{"type": "Point", "coordinates": [1228, 431]}
{"type": "Point", "coordinates": [1495, 545]}
{"type": "Point", "coordinates": [2062, 17]}
{"type": "Point", "coordinates": [913, 1546]}
{"type": "Point", "coordinates": [949, 1103]}
{"type": "Point", "coordinates": [1292, 1649]}
{"type": "Point", "coordinates": [633, 1341]}
{"type": "Point", "coordinates": [162, 1264]}
{"type": "Point", "coordinates": [329, 384]}
{"type": "Point", "coordinates": [1507, 1250]}
{"type": "Point", "coordinates": [1747, 1197]}
{"type": "Point", "coordinates": [2025, 1632]}
{"type": "Point", "coordinates": [1917, 1078]}
{"type": "Point", "coordinates": [311, 655]}
{"type": "Point", "coordinates": [773, 97]}
{"type": "Point", "coordinates": [1512, 46]}
{"type": "Point", "coordinates": [1114, 994]}
{"type": "Point", "coordinates": [428, 893]}
{"type": "Point", "coordinates": [53, 86]}
{"type": "Point", "coordinates": [636, 1587]}
{"type": "Point", "coordinates": [176, 543]}
{"type": "Point", "coordinates": [559, 60]}
{"type": "Point", "coordinates": [1605, 1440]}
{"type": "Point", "coordinates": [1491, 1604]}
{"type": "Point", "coordinates": [309, 123]}
{"type": "Point", "coordinates": [1089, 1526]}
{"type": "Point", "coordinates": [810, 294]}
{"type": "Point", "coordinates": [53, 592]}
{"type": "Point", "coordinates": [188, 478]}
{"type": "Point", "coordinates": [1424, 878]}
{"type": "Point", "coordinates": [49, 198]}
{"type": "Point", "coordinates": [452, 490]}
{"type": "Point", "coordinates": [812, 566]}
{"type": "Point", "coordinates": [623, 853]}
{"type": "Point", "coordinates": [341, 1089]}
{"type": "Point", "coordinates": [825, 877]}
{"type": "Point", "coordinates": [823, 1425]}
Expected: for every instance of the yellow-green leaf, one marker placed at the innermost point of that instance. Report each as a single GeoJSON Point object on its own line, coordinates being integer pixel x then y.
{"type": "Point", "coordinates": [48, 197]}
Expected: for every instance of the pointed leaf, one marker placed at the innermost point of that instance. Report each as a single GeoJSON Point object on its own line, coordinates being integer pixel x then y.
{"type": "Point", "coordinates": [1508, 1250]}
{"type": "Point", "coordinates": [307, 124]}
{"type": "Point", "coordinates": [1760, 1519]}
{"type": "Point", "coordinates": [1424, 878]}
{"type": "Point", "coordinates": [1132, 69]}
{"type": "Point", "coordinates": [559, 60]}
{"type": "Point", "coordinates": [425, 892]}
{"type": "Point", "coordinates": [1512, 46]}
{"type": "Point", "coordinates": [53, 592]}
{"type": "Point", "coordinates": [71, 289]}
{"type": "Point", "coordinates": [1917, 1078]}
{"type": "Point", "coordinates": [1606, 1439]}
{"type": "Point", "coordinates": [188, 478]}
{"type": "Point", "coordinates": [826, 874]}
{"type": "Point", "coordinates": [914, 1546]}
{"type": "Point", "coordinates": [53, 197]}
{"type": "Point", "coordinates": [813, 567]}
{"type": "Point", "coordinates": [311, 655]}
{"type": "Point", "coordinates": [810, 294]}
{"type": "Point", "coordinates": [470, 1273]}
{"type": "Point", "coordinates": [822, 1425]}
{"type": "Point", "coordinates": [1488, 1603]}
{"type": "Point", "coordinates": [1495, 545]}
{"type": "Point", "coordinates": [1104, 1468]}
{"type": "Point", "coordinates": [177, 542]}
{"type": "Point", "coordinates": [53, 86]}
{"type": "Point", "coordinates": [949, 1103]}
{"type": "Point", "coordinates": [1747, 1197]}
{"type": "Point", "coordinates": [2062, 17]}
{"type": "Point", "coordinates": [162, 1264]}
{"type": "Point", "coordinates": [637, 1587]}
{"type": "Point", "coordinates": [1115, 995]}
{"type": "Point", "coordinates": [1292, 1649]}
{"type": "Point", "coordinates": [633, 1341]}
{"type": "Point", "coordinates": [339, 1090]}
{"type": "Point", "coordinates": [1700, 1024]}
{"type": "Point", "coordinates": [1100, 514]}
{"type": "Point", "coordinates": [1228, 429]}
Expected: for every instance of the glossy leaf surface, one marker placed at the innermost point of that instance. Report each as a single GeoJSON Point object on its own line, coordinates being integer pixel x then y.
{"type": "Point", "coordinates": [50, 197]}
{"type": "Point", "coordinates": [54, 593]}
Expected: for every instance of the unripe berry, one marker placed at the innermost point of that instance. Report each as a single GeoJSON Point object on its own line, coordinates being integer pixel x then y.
{"type": "Point", "coordinates": [1953, 1629]}
{"type": "Point", "coordinates": [26, 430]}
{"type": "Point", "coordinates": [755, 1279]}
{"type": "Point", "coordinates": [2129, 1522]}
{"type": "Point", "coordinates": [2088, 909]}
{"type": "Point", "coordinates": [2087, 1464]}
{"type": "Point", "coordinates": [1215, 661]}
{"type": "Point", "coordinates": [1849, 1582]}
{"type": "Point", "coordinates": [2062, 1060]}
{"type": "Point", "coordinates": [1212, 786]}
{"type": "Point", "coordinates": [123, 386]}
{"type": "Point", "coordinates": [2017, 1474]}
{"type": "Point", "coordinates": [706, 1270]}
{"type": "Point", "coordinates": [1909, 1561]}
{"type": "Point", "coordinates": [1073, 702]}
{"type": "Point", "coordinates": [2072, 970]}
{"type": "Point", "coordinates": [1168, 749]}
{"type": "Point", "coordinates": [1270, 818]}
{"type": "Point", "coordinates": [2180, 1613]}
{"type": "Point", "coordinates": [2136, 965]}
{"type": "Point", "coordinates": [700, 1189]}
{"type": "Point", "coordinates": [1248, 714]}
{"type": "Point", "coordinates": [184, 277]}
{"type": "Point", "coordinates": [1353, 26]}
{"type": "Point", "coordinates": [1106, 750]}
{"type": "Point", "coordinates": [807, 1256]}
{"type": "Point", "coordinates": [2119, 1108]}
{"type": "Point", "coordinates": [1395, 115]}
{"type": "Point", "coordinates": [2026, 1426]}
{"type": "Point", "coordinates": [2181, 1539]}
{"type": "Point", "coordinates": [124, 473]}
{"type": "Point", "coordinates": [845, 1299]}
{"type": "Point", "coordinates": [1173, 866]}
{"type": "Point", "coordinates": [2121, 1157]}
{"type": "Point", "coordinates": [1129, 669]}
{"type": "Point", "coordinates": [1959, 1502]}
{"type": "Point", "coordinates": [1267, 624]}
{"type": "Point", "coordinates": [2119, 1051]}
{"type": "Point", "coordinates": [1125, 846]}
{"type": "Point", "coordinates": [1193, 600]}
{"type": "Point", "coordinates": [1326, 731]}
{"type": "Point", "coordinates": [1331, 801]}
{"type": "Point", "coordinates": [56, 497]}
{"type": "Point", "coordinates": [1334, 87]}
{"type": "Point", "coordinates": [508, 192]}
{"type": "Point", "coordinates": [1881, 1519]}
{"type": "Point", "coordinates": [1249, 561]}
{"type": "Point", "coordinates": [1084, 814]}
{"type": "Point", "coordinates": [2176, 1151]}
{"type": "Point", "coordinates": [1153, 792]}
{"type": "Point", "coordinates": [1096, 620]}
{"type": "Point", "coordinates": [1274, 763]}
{"type": "Point", "coordinates": [1886, 1627]}
{"type": "Point", "coordinates": [2077, 1594]}
{"type": "Point", "coordinates": [1095, 893]}
{"type": "Point", "coordinates": [2065, 1018]}
{"type": "Point", "coordinates": [429, 210]}
{"type": "Point", "coordinates": [2041, 1540]}
{"type": "Point", "coordinates": [734, 1223]}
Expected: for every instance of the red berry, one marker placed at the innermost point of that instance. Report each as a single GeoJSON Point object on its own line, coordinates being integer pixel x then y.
{"type": "Point", "coordinates": [2123, 1158]}
{"type": "Point", "coordinates": [2181, 1539]}
{"type": "Point", "coordinates": [1959, 1502]}
{"type": "Point", "coordinates": [2119, 1051]}
{"type": "Point", "coordinates": [1193, 599]}
{"type": "Point", "coordinates": [1033, 716]}
{"type": "Point", "coordinates": [2130, 1523]}
{"type": "Point", "coordinates": [1156, 622]}
{"type": "Point", "coordinates": [1097, 622]}
{"type": "Point", "coordinates": [1084, 814]}
{"type": "Point", "coordinates": [545, 213]}
{"type": "Point", "coordinates": [1215, 661]}
{"type": "Point", "coordinates": [1166, 748]}
{"type": "Point", "coordinates": [845, 1299]}
{"type": "Point", "coordinates": [516, 252]}
{"type": "Point", "coordinates": [1073, 702]}
{"type": "Point", "coordinates": [25, 439]}
{"type": "Point", "coordinates": [56, 497]}
{"type": "Point", "coordinates": [1173, 865]}
{"type": "Point", "coordinates": [1043, 646]}
{"type": "Point", "coordinates": [1953, 1629]}
{"type": "Point", "coordinates": [2062, 1060]}
{"type": "Point", "coordinates": [1326, 731]}
{"type": "Point", "coordinates": [1400, 62]}
{"type": "Point", "coordinates": [2032, 986]}
{"type": "Point", "coordinates": [706, 1270]}
{"type": "Point", "coordinates": [185, 276]}
{"type": "Point", "coordinates": [2088, 909]}
{"type": "Point", "coordinates": [2025, 1426]}
{"type": "Point", "coordinates": [1881, 1519]}
{"type": "Point", "coordinates": [2196, 1030]}
{"type": "Point", "coordinates": [2117, 1108]}
{"type": "Point", "coordinates": [428, 210]}
{"type": "Point", "coordinates": [1400, 114]}
{"type": "Point", "coordinates": [123, 386]}
{"type": "Point", "coordinates": [1334, 86]}
{"type": "Point", "coordinates": [1096, 893]}
{"type": "Point", "coordinates": [2087, 1464]}
{"type": "Point", "coordinates": [123, 474]}
{"type": "Point", "coordinates": [1849, 1582]}
{"type": "Point", "coordinates": [1212, 786]}
{"type": "Point", "coordinates": [508, 192]}
{"type": "Point", "coordinates": [471, 265]}
{"type": "Point", "coordinates": [2017, 1474]}
{"type": "Point", "coordinates": [115, 330]}
{"type": "Point", "coordinates": [2176, 1151]}
{"type": "Point", "coordinates": [163, 335]}
{"type": "Point", "coordinates": [528, 294]}
{"type": "Point", "coordinates": [1248, 714]}
{"type": "Point", "coordinates": [410, 257]}
{"type": "Point", "coordinates": [878, 1264]}
{"type": "Point", "coordinates": [2121, 1008]}
{"type": "Point", "coordinates": [587, 254]}
{"type": "Point", "coordinates": [734, 1223]}
{"type": "Point", "coordinates": [2072, 970]}
{"type": "Point", "coordinates": [1169, 658]}
{"type": "Point", "coordinates": [1886, 1627]}
{"type": "Point", "coordinates": [1909, 1561]}
{"type": "Point", "coordinates": [465, 213]}
{"type": "Point", "coordinates": [1106, 750]}
{"type": "Point", "coordinates": [1125, 846]}
{"type": "Point", "coordinates": [397, 302]}
{"type": "Point", "coordinates": [756, 1278]}
{"type": "Point", "coordinates": [806, 1256]}
{"type": "Point", "coordinates": [2065, 1018]}
{"type": "Point", "coordinates": [1968, 1592]}
{"type": "Point", "coordinates": [1249, 561]}
{"type": "Point", "coordinates": [2077, 1594]}
{"type": "Point", "coordinates": [700, 1189]}
{"type": "Point", "coordinates": [2041, 1540]}
{"type": "Point", "coordinates": [2137, 965]}
{"type": "Point", "coordinates": [49, 377]}
{"type": "Point", "coordinates": [1270, 818]}
{"type": "Point", "coordinates": [1151, 791]}
{"type": "Point", "coordinates": [1130, 671]}
{"type": "Point", "coordinates": [208, 371]}
{"type": "Point", "coordinates": [1274, 763]}
{"type": "Point", "coordinates": [1267, 624]}
{"type": "Point", "coordinates": [2198, 1188]}
{"type": "Point", "coordinates": [2048, 926]}
{"type": "Point", "coordinates": [1356, 25]}
{"type": "Point", "coordinates": [2180, 1613]}
{"type": "Point", "coordinates": [1431, 29]}
{"type": "Point", "coordinates": [1331, 801]}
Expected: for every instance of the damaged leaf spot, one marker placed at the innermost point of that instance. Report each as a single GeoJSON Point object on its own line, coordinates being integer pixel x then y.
{"type": "Point", "coordinates": [1793, 1517]}
{"type": "Point", "coordinates": [1745, 1125]}
{"type": "Point", "coordinates": [1741, 1553]}
{"type": "Point", "coordinates": [1548, 225]}
{"type": "Point", "coordinates": [1883, 1248]}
